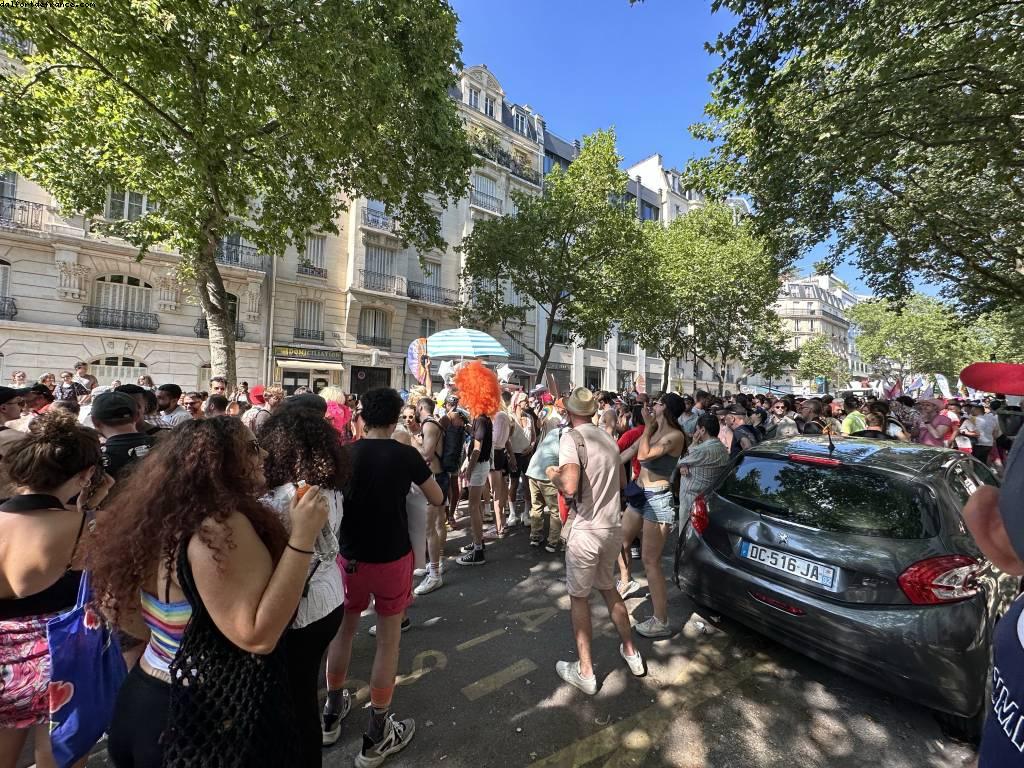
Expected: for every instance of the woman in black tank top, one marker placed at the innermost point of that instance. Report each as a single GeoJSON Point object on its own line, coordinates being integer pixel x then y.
{"type": "Point", "coordinates": [40, 530]}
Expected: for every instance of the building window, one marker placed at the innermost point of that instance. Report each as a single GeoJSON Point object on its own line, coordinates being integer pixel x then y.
{"type": "Point", "coordinates": [5, 279]}
{"type": "Point", "coordinates": [428, 327]}
{"type": "Point", "coordinates": [558, 334]}
{"type": "Point", "coordinates": [125, 204]}
{"type": "Point", "coordinates": [432, 274]}
{"type": "Point", "coordinates": [122, 293]}
{"type": "Point", "coordinates": [520, 123]}
{"type": "Point", "coordinates": [489, 106]}
{"type": "Point", "coordinates": [596, 342]}
{"type": "Point", "coordinates": [593, 378]}
{"type": "Point", "coordinates": [8, 184]}
{"type": "Point", "coordinates": [124, 369]}
{"type": "Point", "coordinates": [485, 184]}
{"type": "Point", "coordinates": [627, 344]}
{"type": "Point", "coordinates": [473, 97]}
{"type": "Point", "coordinates": [309, 315]}
{"type": "Point", "coordinates": [380, 260]}
{"type": "Point", "coordinates": [315, 251]}
{"type": "Point", "coordinates": [374, 327]}
{"type": "Point", "coordinates": [648, 212]}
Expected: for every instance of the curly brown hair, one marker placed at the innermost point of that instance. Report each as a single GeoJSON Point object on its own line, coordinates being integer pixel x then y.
{"type": "Point", "coordinates": [194, 473]}
{"type": "Point", "coordinates": [302, 445]}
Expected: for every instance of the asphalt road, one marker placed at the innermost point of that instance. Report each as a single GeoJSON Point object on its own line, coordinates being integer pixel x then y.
{"type": "Point", "coordinates": [477, 672]}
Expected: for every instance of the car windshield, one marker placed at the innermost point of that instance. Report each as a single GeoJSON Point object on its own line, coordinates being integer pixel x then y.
{"type": "Point", "coordinates": [841, 499]}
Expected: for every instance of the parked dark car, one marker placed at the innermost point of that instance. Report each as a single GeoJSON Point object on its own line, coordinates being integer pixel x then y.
{"type": "Point", "coordinates": [855, 554]}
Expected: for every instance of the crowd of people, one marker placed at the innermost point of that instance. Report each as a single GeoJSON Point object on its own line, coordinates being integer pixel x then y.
{"type": "Point", "coordinates": [234, 537]}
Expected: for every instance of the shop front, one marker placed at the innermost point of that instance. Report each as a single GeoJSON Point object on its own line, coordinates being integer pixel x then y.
{"type": "Point", "coordinates": [309, 367]}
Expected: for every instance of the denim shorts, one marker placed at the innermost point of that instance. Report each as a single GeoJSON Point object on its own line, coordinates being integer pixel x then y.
{"type": "Point", "coordinates": [657, 507]}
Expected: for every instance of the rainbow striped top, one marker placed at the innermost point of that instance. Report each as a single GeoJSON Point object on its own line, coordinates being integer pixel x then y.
{"type": "Point", "coordinates": [166, 622]}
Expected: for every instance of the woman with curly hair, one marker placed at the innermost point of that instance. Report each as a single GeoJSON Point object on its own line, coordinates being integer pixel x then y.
{"type": "Point", "coordinates": [188, 558]}
{"type": "Point", "coordinates": [302, 446]}
{"type": "Point", "coordinates": [40, 531]}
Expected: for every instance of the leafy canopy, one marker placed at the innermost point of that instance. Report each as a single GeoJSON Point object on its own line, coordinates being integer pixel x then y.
{"type": "Point", "coordinates": [569, 251]}
{"type": "Point", "coordinates": [889, 129]}
{"type": "Point", "coordinates": [817, 358]}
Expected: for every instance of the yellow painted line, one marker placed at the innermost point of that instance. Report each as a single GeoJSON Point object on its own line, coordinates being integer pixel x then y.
{"type": "Point", "coordinates": [629, 740]}
{"type": "Point", "coordinates": [481, 639]}
{"type": "Point", "coordinates": [491, 683]}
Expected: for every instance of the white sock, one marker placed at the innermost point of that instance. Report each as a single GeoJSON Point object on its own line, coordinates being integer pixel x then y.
{"type": "Point", "coordinates": [432, 570]}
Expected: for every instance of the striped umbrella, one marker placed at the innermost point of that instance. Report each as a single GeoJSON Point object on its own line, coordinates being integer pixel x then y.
{"type": "Point", "coordinates": [464, 342]}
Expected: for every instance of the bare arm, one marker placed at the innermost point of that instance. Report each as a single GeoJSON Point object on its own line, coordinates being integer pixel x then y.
{"type": "Point", "coordinates": [566, 478]}
{"type": "Point", "coordinates": [432, 491]}
{"type": "Point", "coordinates": [428, 445]}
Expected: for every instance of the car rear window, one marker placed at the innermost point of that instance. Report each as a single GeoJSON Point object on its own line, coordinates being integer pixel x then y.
{"type": "Point", "coordinates": [842, 499]}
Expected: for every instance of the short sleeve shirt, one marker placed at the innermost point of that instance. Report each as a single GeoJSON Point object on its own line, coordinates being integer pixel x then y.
{"type": "Point", "coordinates": [375, 526]}
{"type": "Point", "coordinates": [925, 437]}
{"type": "Point", "coordinates": [483, 431]}
{"type": "Point", "coordinates": [598, 506]}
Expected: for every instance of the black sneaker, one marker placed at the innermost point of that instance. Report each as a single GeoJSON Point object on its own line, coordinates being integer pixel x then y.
{"type": "Point", "coordinates": [331, 726]}
{"type": "Point", "coordinates": [467, 548]}
{"type": "Point", "coordinates": [535, 542]}
{"type": "Point", "coordinates": [552, 548]}
{"type": "Point", "coordinates": [406, 623]}
{"type": "Point", "coordinates": [473, 557]}
{"type": "Point", "coordinates": [397, 735]}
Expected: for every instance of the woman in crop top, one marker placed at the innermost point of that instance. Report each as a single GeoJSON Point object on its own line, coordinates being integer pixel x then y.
{"type": "Point", "coordinates": [185, 551]}
{"type": "Point", "coordinates": [40, 530]}
{"type": "Point", "coordinates": [660, 447]}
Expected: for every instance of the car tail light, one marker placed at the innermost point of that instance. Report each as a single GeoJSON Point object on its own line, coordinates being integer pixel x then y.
{"type": "Point", "coordinates": [774, 602]}
{"type": "Point", "coordinates": [937, 580]}
{"type": "Point", "coordinates": [822, 461]}
{"type": "Point", "coordinates": [699, 518]}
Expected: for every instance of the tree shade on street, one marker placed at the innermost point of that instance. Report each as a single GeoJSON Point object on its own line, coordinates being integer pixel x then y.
{"type": "Point", "coordinates": [257, 119]}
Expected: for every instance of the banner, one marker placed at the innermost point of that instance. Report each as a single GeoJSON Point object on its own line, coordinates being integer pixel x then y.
{"type": "Point", "coordinates": [943, 383]}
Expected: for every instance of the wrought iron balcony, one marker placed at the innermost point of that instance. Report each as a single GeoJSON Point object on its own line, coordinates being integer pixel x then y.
{"type": "Point", "coordinates": [516, 355]}
{"type": "Point", "coordinates": [119, 319]}
{"type": "Point", "coordinates": [238, 255]}
{"type": "Point", "coordinates": [374, 341]}
{"type": "Point", "coordinates": [382, 282]}
{"type": "Point", "coordinates": [308, 334]}
{"type": "Point", "coordinates": [434, 294]}
{"type": "Point", "coordinates": [378, 220]}
{"type": "Point", "coordinates": [22, 214]}
{"type": "Point", "coordinates": [311, 271]}
{"type": "Point", "coordinates": [505, 159]}
{"type": "Point", "coordinates": [8, 309]}
{"type": "Point", "coordinates": [485, 200]}
{"type": "Point", "coordinates": [202, 329]}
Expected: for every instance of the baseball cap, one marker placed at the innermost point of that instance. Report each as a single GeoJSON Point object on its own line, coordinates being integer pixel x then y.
{"type": "Point", "coordinates": [9, 393]}
{"type": "Point", "coordinates": [40, 389]}
{"type": "Point", "coordinates": [256, 395]}
{"type": "Point", "coordinates": [1005, 378]}
{"type": "Point", "coordinates": [113, 406]}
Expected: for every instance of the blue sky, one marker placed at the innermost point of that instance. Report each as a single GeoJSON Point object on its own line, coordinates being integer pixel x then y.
{"type": "Point", "coordinates": [590, 64]}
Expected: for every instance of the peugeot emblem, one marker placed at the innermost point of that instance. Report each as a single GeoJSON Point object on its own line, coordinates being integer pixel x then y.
{"type": "Point", "coordinates": [783, 538]}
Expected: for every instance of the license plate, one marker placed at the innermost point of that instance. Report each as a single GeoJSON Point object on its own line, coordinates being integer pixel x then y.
{"type": "Point", "coordinates": [808, 570]}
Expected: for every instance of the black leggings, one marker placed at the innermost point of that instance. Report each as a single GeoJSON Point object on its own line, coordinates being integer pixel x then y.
{"type": "Point", "coordinates": [140, 716]}
{"type": "Point", "coordinates": [304, 650]}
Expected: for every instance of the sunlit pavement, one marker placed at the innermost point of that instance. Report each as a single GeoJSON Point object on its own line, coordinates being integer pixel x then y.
{"type": "Point", "coordinates": [477, 672]}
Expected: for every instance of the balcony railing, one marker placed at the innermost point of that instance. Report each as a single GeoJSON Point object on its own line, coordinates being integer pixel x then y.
{"type": "Point", "coordinates": [8, 309]}
{"type": "Point", "coordinates": [485, 200]}
{"type": "Point", "coordinates": [22, 214]}
{"type": "Point", "coordinates": [382, 282]}
{"type": "Point", "coordinates": [378, 220]}
{"type": "Point", "coordinates": [244, 256]}
{"type": "Point", "coordinates": [505, 159]}
{"type": "Point", "coordinates": [311, 271]}
{"type": "Point", "coordinates": [202, 329]}
{"type": "Point", "coordinates": [434, 294]}
{"type": "Point", "coordinates": [119, 319]}
{"type": "Point", "coordinates": [373, 341]}
{"type": "Point", "coordinates": [309, 334]}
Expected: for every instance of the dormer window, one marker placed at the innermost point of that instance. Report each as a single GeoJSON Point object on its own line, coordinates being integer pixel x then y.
{"type": "Point", "coordinates": [489, 106]}
{"type": "Point", "coordinates": [473, 98]}
{"type": "Point", "coordinates": [520, 123]}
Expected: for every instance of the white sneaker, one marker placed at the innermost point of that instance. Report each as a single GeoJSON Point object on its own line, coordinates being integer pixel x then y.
{"type": "Point", "coordinates": [626, 588]}
{"type": "Point", "coordinates": [429, 584]}
{"type": "Point", "coordinates": [397, 735]}
{"type": "Point", "coordinates": [653, 627]}
{"type": "Point", "coordinates": [512, 521]}
{"type": "Point", "coordinates": [634, 662]}
{"type": "Point", "coordinates": [570, 672]}
{"type": "Point", "coordinates": [419, 573]}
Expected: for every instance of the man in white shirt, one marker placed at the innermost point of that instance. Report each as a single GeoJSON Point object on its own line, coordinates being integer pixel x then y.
{"type": "Point", "coordinates": [171, 413]}
{"type": "Point", "coordinates": [590, 471]}
{"type": "Point", "coordinates": [83, 377]}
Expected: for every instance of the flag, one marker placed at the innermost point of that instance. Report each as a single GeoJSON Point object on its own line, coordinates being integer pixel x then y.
{"type": "Point", "coordinates": [893, 390]}
{"type": "Point", "coordinates": [943, 383]}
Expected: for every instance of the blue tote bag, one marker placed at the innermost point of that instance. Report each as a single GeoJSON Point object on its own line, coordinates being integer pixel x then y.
{"type": "Point", "coordinates": [86, 671]}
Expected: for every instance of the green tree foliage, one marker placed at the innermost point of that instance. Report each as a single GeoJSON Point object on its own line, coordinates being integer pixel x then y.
{"type": "Point", "coordinates": [817, 358]}
{"type": "Point", "coordinates": [925, 335]}
{"type": "Point", "coordinates": [889, 128]}
{"type": "Point", "coordinates": [252, 117]}
{"type": "Point", "coordinates": [569, 251]}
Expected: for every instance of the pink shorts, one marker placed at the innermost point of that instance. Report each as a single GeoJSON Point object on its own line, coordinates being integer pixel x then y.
{"type": "Point", "coordinates": [389, 583]}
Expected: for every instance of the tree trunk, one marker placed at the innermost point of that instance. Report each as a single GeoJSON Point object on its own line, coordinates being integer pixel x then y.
{"type": "Point", "coordinates": [214, 301]}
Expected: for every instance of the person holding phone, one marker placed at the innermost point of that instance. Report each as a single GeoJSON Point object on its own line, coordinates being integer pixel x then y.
{"type": "Point", "coordinates": [58, 470]}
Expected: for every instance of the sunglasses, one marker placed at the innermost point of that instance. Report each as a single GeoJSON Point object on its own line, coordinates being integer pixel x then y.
{"type": "Point", "coordinates": [410, 417]}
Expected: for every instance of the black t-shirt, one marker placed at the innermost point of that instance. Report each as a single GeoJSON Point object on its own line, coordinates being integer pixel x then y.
{"type": "Point", "coordinates": [741, 432]}
{"type": "Point", "coordinates": [483, 431]}
{"type": "Point", "coordinates": [375, 527]}
{"type": "Point", "coordinates": [121, 450]}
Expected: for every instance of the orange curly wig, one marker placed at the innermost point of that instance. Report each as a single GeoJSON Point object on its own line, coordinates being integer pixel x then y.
{"type": "Point", "coordinates": [478, 389]}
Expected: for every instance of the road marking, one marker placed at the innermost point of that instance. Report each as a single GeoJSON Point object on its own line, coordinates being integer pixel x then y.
{"type": "Point", "coordinates": [481, 639]}
{"type": "Point", "coordinates": [491, 683]}
{"type": "Point", "coordinates": [628, 741]}
{"type": "Point", "coordinates": [533, 619]}
{"type": "Point", "coordinates": [420, 668]}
